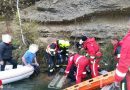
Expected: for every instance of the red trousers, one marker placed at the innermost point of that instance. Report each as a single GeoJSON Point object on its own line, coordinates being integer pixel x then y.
{"type": "Point", "coordinates": [94, 67]}
{"type": "Point", "coordinates": [81, 69]}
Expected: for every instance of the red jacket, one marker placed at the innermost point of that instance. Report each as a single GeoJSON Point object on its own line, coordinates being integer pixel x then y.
{"type": "Point", "coordinates": [91, 46]}
{"type": "Point", "coordinates": [81, 62]}
{"type": "Point", "coordinates": [0, 82]}
{"type": "Point", "coordinates": [124, 61]}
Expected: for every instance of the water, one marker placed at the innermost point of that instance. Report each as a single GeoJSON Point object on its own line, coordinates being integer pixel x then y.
{"type": "Point", "coordinates": [35, 83]}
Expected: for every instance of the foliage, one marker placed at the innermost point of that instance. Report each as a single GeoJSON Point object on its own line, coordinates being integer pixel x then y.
{"type": "Point", "coordinates": [108, 61]}
{"type": "Point", "coordinates": [30, 32]}
{"type": "Point", "coordinates": [7, 9]}
{"type": "Point", "coordinates": [19, 51]}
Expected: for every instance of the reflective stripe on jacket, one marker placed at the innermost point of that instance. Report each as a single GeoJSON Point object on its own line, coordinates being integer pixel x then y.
{"type": "Point", "coordinates": [124, 61]}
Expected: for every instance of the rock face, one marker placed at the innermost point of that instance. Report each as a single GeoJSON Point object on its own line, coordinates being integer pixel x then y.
{"type": "Point", "coordinates": [102, 19]}
{"type": "Point", "coordinates": [69, 10]}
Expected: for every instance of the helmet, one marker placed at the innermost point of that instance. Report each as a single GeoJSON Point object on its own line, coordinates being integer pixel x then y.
{"type": "Point", "coordinates": [6, 38]}
{"type": "Point", "coordinates": [67, 44]}
{"type": "Point", "coordinates": [53, 46]}
{"type": "Point", "coordinates": [83, 38]}
{"type": "Point", "coordinates": [61, 43]}
{"type": "Point", "coordinates": [33, 48]}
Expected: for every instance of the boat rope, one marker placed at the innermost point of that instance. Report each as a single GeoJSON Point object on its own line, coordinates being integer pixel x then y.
{"type": "Point", "coordinates": [18, 11]}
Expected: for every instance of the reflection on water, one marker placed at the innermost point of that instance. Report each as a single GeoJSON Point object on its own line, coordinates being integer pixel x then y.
{"type": "Point", "coordinates": [35, 83]}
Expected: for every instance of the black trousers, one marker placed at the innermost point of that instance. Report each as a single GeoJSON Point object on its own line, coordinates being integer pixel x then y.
{"type": "Point", "coordinates": [71, 75]}
{"type": "Point", "coordinates": [11, 61]}
{"type": "Point", "coordinates": [36, 69]}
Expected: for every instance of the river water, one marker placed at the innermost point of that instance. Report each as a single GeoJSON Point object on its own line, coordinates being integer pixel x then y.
{"type": "Point", "coordinates": [39, 82]}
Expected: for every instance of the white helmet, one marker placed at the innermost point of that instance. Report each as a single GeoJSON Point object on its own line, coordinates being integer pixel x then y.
{"type": "Point", "coordinates": [33, 48]}
{"type": "Point", "coordinates": [6, 38]}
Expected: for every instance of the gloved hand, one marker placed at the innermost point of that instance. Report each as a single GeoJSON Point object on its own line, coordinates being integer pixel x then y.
{"type": "Point", "coordinates": [1, 62]}
{"type": "Point", "coordinates": [66, 73]}
{"type": "Point", "coordinates": [37, 64]}
{"type": "Point", "coordinates": [115, 86]}
{"type": "Point", "coordinates": [118, 55]}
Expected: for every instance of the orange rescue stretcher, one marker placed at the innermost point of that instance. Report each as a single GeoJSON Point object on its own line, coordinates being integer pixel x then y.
{"type": "Point", "coordinates": [94, 83]}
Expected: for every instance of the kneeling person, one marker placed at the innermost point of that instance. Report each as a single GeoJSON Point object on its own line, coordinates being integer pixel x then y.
{"type": "Point", "coordinates": [81, 62]}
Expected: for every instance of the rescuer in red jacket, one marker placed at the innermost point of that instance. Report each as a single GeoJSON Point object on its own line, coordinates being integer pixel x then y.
{"type": "Point", "coordinates": [123, 68]}
{"type": "Point", "coordinates": [80, 62]}
{"type": "Point", "coordinates": [93, 50]}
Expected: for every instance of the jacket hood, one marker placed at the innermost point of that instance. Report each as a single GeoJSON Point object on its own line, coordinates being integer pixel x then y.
{"type": "Point", "coordinates": [90, 39]}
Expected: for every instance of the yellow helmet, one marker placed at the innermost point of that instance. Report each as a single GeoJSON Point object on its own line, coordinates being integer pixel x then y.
{"type": "Point", "coordinates": [67, 44]}
{"type": "Point", "coordinates": [61, 43]}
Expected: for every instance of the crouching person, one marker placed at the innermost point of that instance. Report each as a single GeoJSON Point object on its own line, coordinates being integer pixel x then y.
{"type": "Point", "coordinates": [51, 51]}
{"type": "Point", "coordinates": [80, 62]}
{"type": "Point", "coordinates": [63, 52]}
{"type": "Point", "coordinates": [29, 58]}
{"type": "Point", "coordinates": [92, 48]}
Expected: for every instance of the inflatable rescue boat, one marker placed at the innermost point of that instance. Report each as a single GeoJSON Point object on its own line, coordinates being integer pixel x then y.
{"type": "Point", "coordinates": [12, 75]}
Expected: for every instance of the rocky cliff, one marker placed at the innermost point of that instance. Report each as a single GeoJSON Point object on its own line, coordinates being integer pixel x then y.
{"type": "Point", "coordinates": [102, 19]}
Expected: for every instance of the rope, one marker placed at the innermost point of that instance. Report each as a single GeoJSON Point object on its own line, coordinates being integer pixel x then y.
{"type": "Point", "coordinates": [20, 22]}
